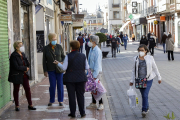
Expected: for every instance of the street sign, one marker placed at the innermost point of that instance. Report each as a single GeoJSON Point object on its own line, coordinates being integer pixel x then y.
{"type": "Point", "coordinates": [131, 16]}
{"type": "Point", "coordinates": [134, 10]}
{"type": "Point", "coordinates": [156, 22]}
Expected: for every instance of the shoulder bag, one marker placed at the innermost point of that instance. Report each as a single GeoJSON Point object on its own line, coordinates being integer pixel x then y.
{"type": "Point", "coordinates": [140, 83]}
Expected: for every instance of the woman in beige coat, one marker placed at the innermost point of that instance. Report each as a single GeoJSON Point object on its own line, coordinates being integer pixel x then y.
{"type": "Point", "coordinates": [170, 47]}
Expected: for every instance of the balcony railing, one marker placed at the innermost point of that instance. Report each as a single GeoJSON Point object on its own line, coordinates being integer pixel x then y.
{"type": "Point", "coordinates": [115, 5]}
{"type": "Point", "coordinates": [152, 10]}
{"type": "Point", "coordinates": [68, 2]}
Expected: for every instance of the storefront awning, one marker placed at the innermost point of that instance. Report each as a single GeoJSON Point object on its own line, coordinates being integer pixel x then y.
{"type": "Point", "coordinates": [121, 29]}
{"type": "Point", "coordinates": [77, 20]}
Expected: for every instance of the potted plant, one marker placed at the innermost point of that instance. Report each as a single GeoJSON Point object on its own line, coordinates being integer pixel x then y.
{"type": "Point", "coordinates": [102, 38]}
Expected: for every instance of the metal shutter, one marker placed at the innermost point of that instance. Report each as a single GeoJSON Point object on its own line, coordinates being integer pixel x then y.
{"type": "Point", "coordinates": [5, 93]}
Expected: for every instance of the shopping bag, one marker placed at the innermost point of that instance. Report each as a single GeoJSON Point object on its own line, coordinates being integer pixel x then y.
{"type": "Point", "coordinates": [100, 90]}
{"type": "Point", "coordinates": [90, 84]}
{"type": "Point", "coordinates": [133, 98]}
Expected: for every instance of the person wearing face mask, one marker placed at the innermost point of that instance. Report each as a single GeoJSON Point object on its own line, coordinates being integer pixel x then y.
{"type": "Point", "coordinates": [170, 47]}
{"type": "Point", "coordinates": [152, 44]}
{"type": "Point", "coordinates": [51, 52]}
{"type": "Point", "coordinates": [144, 40]}
{"type": "Point", "coordinates": [95, 65]}
{"type": "Point", "coordinates": [75, 78]}
{"type": "Point", "coordinates": [145, 68]}
{"type": "Point", "coordinates": [114, 43]}
{"type": "Point", "coordinates": [87, 48]}
{"type": "Point", "coordinates": [18, 74]}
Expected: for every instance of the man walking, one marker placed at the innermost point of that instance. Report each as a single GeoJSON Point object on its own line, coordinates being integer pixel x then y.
{"type": "Point", "coordinates": [81, 40]}
{"type": "Point", "coordinates": [163, 41]}
{"type": "Point", "coordinates": [114, 43]}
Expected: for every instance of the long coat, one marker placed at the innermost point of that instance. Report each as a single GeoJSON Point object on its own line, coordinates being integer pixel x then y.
{"type": "Point", "coordinates": [169, 44]}
{"type": "Point", "coordinates": [17, 68]}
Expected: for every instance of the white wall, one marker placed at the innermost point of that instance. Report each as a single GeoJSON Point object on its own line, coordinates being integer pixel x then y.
{"type": "Point", "coordinates": [39, 20]}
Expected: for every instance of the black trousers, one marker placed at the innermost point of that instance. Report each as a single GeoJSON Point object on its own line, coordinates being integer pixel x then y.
{"type": "Point", "coordinates": [113, 49]}
{"type": "Point", "coordinates": [151, 49]}
{"type": "Point", "coordinates": [172, 55]}
{"type": "Point", "coordinates": [94, 101]}
{"type": "Point", "coordinates": [76, 90]}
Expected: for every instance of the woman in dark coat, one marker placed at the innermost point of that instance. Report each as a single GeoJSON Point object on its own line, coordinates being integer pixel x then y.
{"type": "Point", "coordinates": [144, 40]}
{"type": "Point", "coordinates": [75, 64]}
{"type": "Point", "coordinates": [19, 66]}
{"type": "Point", "coordinates": [87, 48]}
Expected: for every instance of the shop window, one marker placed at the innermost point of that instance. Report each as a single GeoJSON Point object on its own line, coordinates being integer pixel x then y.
{"type": "Point", "coordinates": [116, 15]}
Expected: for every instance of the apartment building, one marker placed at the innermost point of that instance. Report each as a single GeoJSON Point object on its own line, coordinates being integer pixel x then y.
{"type": "Point", "coordinates": [114, 16]}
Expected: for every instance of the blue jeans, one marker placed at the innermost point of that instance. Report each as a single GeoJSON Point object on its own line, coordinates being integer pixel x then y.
{"type": "Point", "coordinates": [125, 45]}
{"type": "Point", "coordinates": [145, 93]}
{"type": "Point", "coordinates": [118, 48]}
{"type": "Point", "coordinates": [81, 49]}
{"type": "Point", "coordinates": [56, 78]}
{"type": "Point", "coordinates": [164, 47]}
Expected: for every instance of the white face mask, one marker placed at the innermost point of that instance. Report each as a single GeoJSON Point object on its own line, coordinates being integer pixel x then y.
{"type": "Point", "coordinates": [22, 49]}
{"type": "Point", "coordinates": [141, 54]}
{"type": "Point", "coordinates": [143, 37]}
{"type": "Point", "coordinates": [90, 44]}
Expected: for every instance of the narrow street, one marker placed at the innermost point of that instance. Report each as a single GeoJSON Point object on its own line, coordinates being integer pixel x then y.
{"type": "Point", "coordinates": [163, 98]}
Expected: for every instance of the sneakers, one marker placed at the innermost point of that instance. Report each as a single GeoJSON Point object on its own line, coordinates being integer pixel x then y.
{"type": "Point", "coordinates": [144, 114]}
{"type": "Point", "coordinates": [92, 105]}
{"type": "Point", "coordinates": [101, 107]}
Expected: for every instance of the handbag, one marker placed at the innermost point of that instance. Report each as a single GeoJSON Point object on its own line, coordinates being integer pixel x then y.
{"type": "Point", "coordinates": [140, 83]}
{"type": "Point", "coordinates": [69, 64]}
{"type": "Point", "coordinates": [58, 69]}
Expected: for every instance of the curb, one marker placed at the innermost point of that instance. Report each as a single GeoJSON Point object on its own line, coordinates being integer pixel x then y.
{"type": "Point", "coordinates": [106, 105]}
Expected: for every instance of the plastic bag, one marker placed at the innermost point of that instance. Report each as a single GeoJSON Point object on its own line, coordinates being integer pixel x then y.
{"type": "Point", "coordinates": [98, 93]}
{"type": "Point", "coordinates": [90, 84]}
{"type": "Point", "coordinates": [133, 98]}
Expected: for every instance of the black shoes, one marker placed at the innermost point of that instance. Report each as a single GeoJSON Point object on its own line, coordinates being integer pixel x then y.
{"type": "Point", "coordinates": [60, 104]}
{"type": "Point", "coordinates": [17, 109]}
{"type": "Point", "coordinates": [70, 115]}
{"type": "Point", "coordinates": [83, 115]}
{"type": "Point", "coordinates": [31, 108]}
{"type": "Point", "coordinates": [49, 104]}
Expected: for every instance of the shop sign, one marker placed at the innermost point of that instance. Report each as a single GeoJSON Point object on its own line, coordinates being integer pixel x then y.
{"type": "Point", "coordinates": [134, 4]}
{"type": "Point", "coordinates": [162, 18]}
{"type": "Point", "coordinates": [131, 16]}
{"type": "Point", "coordinates": [134, 10]}
{"type": "Point", "coordinates": [65, 17]}
{"type": "Point", "coordinates": [156, 22]}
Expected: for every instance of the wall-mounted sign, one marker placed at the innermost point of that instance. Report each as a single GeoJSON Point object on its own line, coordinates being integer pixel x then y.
{"type": "Point", "coordinates": [134, 11]}
{"type": "Point", "coordinates": [162, 18]}
{"type": "Point", "coordinates": [134, 4]}
{"type": "Point", "coordinates": [65, 17]}
{"type": "Point", "coordinates": [155, 22]}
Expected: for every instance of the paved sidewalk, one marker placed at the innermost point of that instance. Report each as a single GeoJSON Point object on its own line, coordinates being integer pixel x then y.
{"type": "Point", "coordinates": [40, 98]}
{"type": "Point", "coordinates": [163, 98]}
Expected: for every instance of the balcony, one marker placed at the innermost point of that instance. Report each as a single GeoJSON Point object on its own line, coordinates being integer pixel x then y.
{"type": "Point", "coordinates": [151, 10]}
{"type": "Point", "coordinates": [68, 2]}
{"type": "Point", "coordinates": [115, 5]}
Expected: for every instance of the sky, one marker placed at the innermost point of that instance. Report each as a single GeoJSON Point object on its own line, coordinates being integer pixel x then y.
{"type": "Point", "coordinates": [91, 5]}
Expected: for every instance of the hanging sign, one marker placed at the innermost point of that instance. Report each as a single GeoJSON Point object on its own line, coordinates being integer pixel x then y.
{"type": "Point", "coordinates": [156, 22]}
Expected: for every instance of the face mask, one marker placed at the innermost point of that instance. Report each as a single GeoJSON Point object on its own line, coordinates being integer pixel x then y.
{"type": "Point", "coordinates": [141, 54]}
{"type": "Point", "coordinates": [22, 49]}
{"type": "Point", "coordinates": [90, 44]}
{"type": "Point", "coordinates": [54, 42]}
{"type": "Point", "coordinates": [143, 37]}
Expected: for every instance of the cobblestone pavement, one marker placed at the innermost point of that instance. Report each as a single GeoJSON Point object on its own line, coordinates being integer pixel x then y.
{"type": "Point", "coordinates": [40, 97]}
{"type": "Point", "coordinates": [163, 98]}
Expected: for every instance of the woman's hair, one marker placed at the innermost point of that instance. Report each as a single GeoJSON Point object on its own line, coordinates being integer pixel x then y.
{"type": "Point", "coordinates": [95, 39]}
{"type": "Point", "coordinates": [143, 46]}
{"type": "Point", "coordinates": [51, 35]}
{"type": "Point", "coordinates": [16, 43]}
{"type": "Point", "coordinates": [75, 45]}
{"type": "Point", "coordinates": [169, 36]}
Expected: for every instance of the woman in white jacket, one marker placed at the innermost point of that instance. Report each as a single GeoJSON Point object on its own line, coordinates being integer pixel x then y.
{"type": "Point", "coordinates": [145, 68]}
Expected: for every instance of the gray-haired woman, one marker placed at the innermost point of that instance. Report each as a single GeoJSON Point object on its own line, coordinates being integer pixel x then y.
{"type": "Point", "coordinates": [95, 64]}
{"type": "Point", "coordinates": [170, 47]}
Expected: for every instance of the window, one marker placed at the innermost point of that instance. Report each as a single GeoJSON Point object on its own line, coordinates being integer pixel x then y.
{"type": "Point", "coordinates": [94, 21]}
{"type": "Point", "coordinates": [139, 8]}
{"type": "Point", "coordinates": [172, 1]}
{"type": "Point", "coordinates": [116, 14]}
{"type": "Point", "coordinates": [94, 28]}
{"type": "Point", "coordinates": [116, 1]}
{"type": "Point", "coordinates": [90, 22]}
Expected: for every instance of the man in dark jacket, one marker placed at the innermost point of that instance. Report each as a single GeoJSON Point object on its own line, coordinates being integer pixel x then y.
{"type": "Point", "coordinates": [114, 43]}
{"type": "Point", "coordinates": [81, 40]}
{"type": "Point", "coordinates": [148, 35]}
{"type": "Point", "coordinates": [163, 41]}
{"type": "Point", "coordinates": [152, 44]}
{"type": "Point", "coordinates": [121, 36]}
